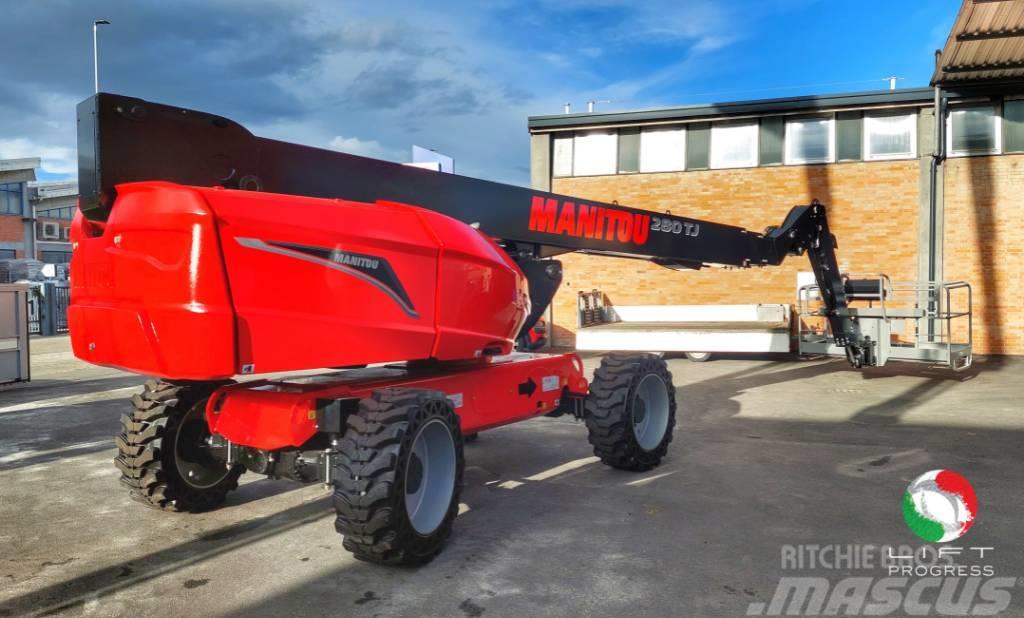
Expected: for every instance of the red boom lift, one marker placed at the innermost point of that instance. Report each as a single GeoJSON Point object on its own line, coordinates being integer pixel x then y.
{"type": "Point", "coordinates": [202, 252]}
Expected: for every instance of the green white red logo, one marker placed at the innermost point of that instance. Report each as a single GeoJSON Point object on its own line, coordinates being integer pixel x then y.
{"type": "Point", "coordinates": [940, 506]}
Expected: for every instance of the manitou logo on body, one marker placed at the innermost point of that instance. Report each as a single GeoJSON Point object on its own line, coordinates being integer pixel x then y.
{"type": "Point", "coordinates": [600, 223]}
{"type": "Point", "coordinates": [358, 261]}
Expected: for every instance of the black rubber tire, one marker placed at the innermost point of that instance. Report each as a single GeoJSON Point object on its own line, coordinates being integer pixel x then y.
{"type": "Point", "coordinates": [609, 411]}
{"type": "Point", "coordinates": [369, 477]}
{"type": "Point", "coordinates": [471, 437]}
{"type": "Point", "coordinates": [146, 449]}
{"type": "Point", "coordinates": [698, 357]}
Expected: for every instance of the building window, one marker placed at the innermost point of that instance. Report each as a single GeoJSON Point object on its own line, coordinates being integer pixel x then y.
{"type": "Point", "coordinates": [890, 136]}
{"type": "Point", "coordinates": [595, 153]}
{"type": "Point", "coordinates": [663, 149]}
{"type": "Point", "coordinates": [810, 140]}
{"type": "Point", "coordinates": [55, 257]}
{"type": "Point", "coordinates": [7, 254]}
{"type": "Point", "coordinates": [973, 129]}
{"type": "Point", "coordinates": [562, 155]}
{"type": "Point", "coordinates": [733, 145]}
{"type": "Point", "coordinates": [10, 198]}
{"type": "Point", "coordinates": [66, 213]}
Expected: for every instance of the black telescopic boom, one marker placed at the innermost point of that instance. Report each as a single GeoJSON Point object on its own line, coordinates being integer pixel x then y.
{"type": "Point", "coordinates": [123, 139]}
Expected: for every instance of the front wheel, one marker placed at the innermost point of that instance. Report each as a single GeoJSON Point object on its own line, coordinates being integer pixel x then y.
{"type": "Point", "coordinates": [699, 357]}
{"type": "Point", "coordinates": [398, 476]}
{"type": "Point", "coordinates": [631, 411]}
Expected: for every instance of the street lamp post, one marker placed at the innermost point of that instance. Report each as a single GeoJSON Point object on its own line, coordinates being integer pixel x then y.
{"type": "Point", "coordinates": [95, 51]}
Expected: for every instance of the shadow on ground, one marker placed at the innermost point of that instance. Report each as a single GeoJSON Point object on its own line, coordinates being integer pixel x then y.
{"type": "Point", "coordinates": [698, 536]}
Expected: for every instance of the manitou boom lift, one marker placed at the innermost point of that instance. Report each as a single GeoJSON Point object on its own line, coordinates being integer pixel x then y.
{"type": "Point", "coordinates": [202, 252]}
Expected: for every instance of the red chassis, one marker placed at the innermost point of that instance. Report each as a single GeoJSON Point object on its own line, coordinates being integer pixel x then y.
{"type": "Point", "coordinates": [271, 415]}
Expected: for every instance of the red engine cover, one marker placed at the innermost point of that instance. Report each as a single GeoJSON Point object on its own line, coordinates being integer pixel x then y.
{"type": "Point", "coordinates": [198, 283]}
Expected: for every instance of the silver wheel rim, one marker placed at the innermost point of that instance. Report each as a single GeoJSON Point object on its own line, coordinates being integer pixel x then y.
{"type": "Point", "coordinates": [430, 477]}
{"type": "Point", "coordinates": [698, 356]}
{"type": "Point", "coordinates": [650, 412]}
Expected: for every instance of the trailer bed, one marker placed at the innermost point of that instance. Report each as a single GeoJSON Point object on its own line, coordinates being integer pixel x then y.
{"type": "Point", "coordinates": [681, 328]}
{"type": "Point", "coordinates": [691, 326]}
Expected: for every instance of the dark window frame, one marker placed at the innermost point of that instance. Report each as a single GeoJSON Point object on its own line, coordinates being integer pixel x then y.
{"type": "Point", "coordinates": [10, 198]}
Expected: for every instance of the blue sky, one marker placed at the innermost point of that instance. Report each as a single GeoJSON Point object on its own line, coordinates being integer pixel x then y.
{"type": "Point", "coordinates": [460, 77]}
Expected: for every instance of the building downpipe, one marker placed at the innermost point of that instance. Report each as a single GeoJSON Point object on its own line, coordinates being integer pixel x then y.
{"type": "Point", "coordinates": [938, 156]}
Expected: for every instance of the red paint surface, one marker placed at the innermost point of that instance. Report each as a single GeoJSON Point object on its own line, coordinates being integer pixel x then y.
{"type": "Point", "coordinates": [163, 288]}
{"type": "Point", "coordinates": [275, 414]}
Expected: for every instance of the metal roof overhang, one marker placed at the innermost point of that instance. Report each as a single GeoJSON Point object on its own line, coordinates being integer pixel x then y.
{"type": "Point", "coordinates": [985, 45]}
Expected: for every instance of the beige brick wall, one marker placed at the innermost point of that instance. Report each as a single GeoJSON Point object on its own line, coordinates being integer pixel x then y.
{"type": "Point", "coordinates": [984, 245]}
{"type": "Point", "coordinates": [873, 209]}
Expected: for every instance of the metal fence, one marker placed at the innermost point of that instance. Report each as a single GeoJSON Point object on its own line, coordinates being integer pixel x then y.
{"type": "Point", "coordinates": [48, 308]}
{"type": "Point", "coordinates": [61, 300]}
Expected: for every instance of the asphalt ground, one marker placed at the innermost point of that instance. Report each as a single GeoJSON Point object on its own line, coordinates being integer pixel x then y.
{"type": "Point", "coordinates": [771, 455]}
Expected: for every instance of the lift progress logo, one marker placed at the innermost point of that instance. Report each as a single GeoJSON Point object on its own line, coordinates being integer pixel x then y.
{"type": "Point", "coordinates": [941, 577]}
{"type": "Point", "coordinates": [940, 506]}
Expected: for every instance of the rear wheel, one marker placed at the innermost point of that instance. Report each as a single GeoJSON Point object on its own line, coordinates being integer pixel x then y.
{"type": "Point", "coordinates": [699, 357]}
{"type": "Point", "coordinates": [398, 477]}
{"type": "Point", "coordinates": [163, 451]}
{"type": "Point", "coordinates": [631, 411]}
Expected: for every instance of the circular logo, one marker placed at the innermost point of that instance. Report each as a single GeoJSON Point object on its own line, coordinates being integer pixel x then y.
{"type": "Point", "coordinates": [940, 506]}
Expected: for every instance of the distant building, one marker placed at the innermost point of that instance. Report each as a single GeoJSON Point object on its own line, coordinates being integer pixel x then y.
{"type": "Point", "coordinates": [54, 205]}
{"type": "Point", "coordinates": [35, 217]}
{"type": "Point", "coordinates": [900, 202]}
{"type": "Point", "coordinates": [17, 235]}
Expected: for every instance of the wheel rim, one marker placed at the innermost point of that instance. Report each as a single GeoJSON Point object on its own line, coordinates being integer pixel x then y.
{"type": "Point", "coordinates": [650, 412]}
{"type": "Point", "coordinates": [430, 477]}
{"type": "Point", "coordinates": [698, 356]}
{"type": "Point", "coordinates": [193, 456]}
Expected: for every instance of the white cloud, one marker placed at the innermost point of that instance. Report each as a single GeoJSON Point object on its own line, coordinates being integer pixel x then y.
{"type": "Point", "coordinates": [712, 43]}
{"type": "Point", "coordinates": [356, 146]}
{"type": "Point", "coordinates": [462, 81]}
{"type": "Point", "coordinates": [558, 60]}
{"type": "Point", "coordinates": [55, 159]}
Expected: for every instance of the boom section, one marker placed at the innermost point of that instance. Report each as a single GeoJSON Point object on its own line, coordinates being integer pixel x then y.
{"type": "Point", "coordinates": [123, 139]}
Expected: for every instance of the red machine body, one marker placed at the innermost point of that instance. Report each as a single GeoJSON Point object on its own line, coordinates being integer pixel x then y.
{"type": "Point", "coordinates": [272, 415]}
{"type": "Point", "coordinates": [205, 283]}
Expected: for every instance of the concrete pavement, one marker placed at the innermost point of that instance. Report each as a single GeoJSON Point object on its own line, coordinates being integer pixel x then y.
{"type": "Point", "coordinates": [769, 452]}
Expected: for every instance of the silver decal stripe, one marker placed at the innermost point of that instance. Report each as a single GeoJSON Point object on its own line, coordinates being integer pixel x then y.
{"type": "Point", "coordinates": [256, 243]}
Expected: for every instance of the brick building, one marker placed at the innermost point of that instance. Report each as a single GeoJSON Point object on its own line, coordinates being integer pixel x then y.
{"type": "Point", "coordinates": [16, 235]}
{"type": "Point", "coordinates": [34, 216]}
{"type": "Point", "coordinates": [898, 204]}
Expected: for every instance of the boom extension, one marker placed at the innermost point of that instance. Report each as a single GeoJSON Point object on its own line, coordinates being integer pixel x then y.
{"type": "Point", "coordinates": [123, 139]}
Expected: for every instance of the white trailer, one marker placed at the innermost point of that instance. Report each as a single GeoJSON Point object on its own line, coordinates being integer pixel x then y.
{"type": "Point", "coordinates": [697, 330]}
